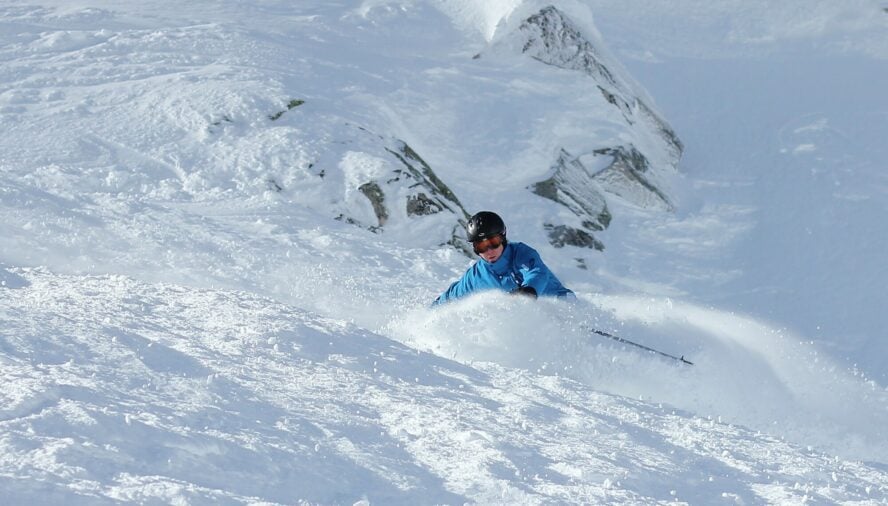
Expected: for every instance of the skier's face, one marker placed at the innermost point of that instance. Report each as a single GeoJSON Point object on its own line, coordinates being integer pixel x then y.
{"type": "Point", "coordinates": [492, 255]}
{"type": "Point", "coordinates": [490, 249]}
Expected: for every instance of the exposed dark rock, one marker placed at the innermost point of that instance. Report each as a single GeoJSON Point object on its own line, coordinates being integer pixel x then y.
{"type": "Point", "coordinates": [574, 186]}
{"type": "Point", "coordinates": [224, 119]}
{"type": "Point", "coordinates": [292, 104]}
{"type": "Point", "coordinates": [421, 205]}
{"type": "Point", "coordinates": [404, 186]}
{"type": "Point", "coordinates": [552, 38]}
{"type": "Point", "coordinates": [440, 197]}
{"type": "Point", "coordinates": [424, 176]}
{"type": "Point", "coordinates": [458, 239]}
{"type": "Point", "coordinates": [666, 132]}
{"type": "Point", "coordinates": [625, 177]}
{"type": "Point", "coordinates": [374, 194]}
{"type": "Point", "coordinates": [563, 235]}
{"type": "Point", "coordinates": [352, 221]}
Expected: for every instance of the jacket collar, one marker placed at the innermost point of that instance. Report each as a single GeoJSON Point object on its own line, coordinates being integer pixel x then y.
{"type": "Point", "coordinates": [502, 264]}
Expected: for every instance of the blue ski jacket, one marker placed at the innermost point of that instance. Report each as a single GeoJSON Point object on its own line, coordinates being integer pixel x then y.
{"type": "Point", "coordinates": [519, 265]}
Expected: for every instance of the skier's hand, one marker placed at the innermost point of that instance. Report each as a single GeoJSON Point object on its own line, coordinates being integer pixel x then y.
{"type": "Point", "coordinates": [528, 291]}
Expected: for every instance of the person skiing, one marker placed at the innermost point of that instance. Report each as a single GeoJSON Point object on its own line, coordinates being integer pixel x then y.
{"type": "Point", "coordinates": [513, 267]}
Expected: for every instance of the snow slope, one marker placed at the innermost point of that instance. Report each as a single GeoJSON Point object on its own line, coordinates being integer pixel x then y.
{"type": "Point", "coordinates": [118, 390]}
{"type": "Point", "coordinates": [182, 319]}
{"type": "Point", "coordinates": [783, 113]}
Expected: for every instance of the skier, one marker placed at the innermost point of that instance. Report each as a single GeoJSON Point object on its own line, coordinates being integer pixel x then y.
{"type": "Point", "coordinates": [513, 267]}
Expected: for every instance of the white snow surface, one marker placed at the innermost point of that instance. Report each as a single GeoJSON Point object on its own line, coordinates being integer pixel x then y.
{"type": "Point", "coordinates": [183, 321]}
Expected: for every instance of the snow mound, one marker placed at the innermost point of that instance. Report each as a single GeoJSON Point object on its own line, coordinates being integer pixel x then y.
{"type": "Point", "coordinates": [478, 17]}
{"type": "Point", "coordinates": [744, 371]}
{"type": "Point", "coordinates": [121, 391]}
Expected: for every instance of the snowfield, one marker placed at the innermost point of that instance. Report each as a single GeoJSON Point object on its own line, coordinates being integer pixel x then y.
{"type": "Point", "coordinates": [119, 390]}
{"type": "Point", "coordinates": [202, 303]}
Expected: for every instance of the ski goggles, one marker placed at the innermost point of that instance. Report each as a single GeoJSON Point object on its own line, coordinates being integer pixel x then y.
{"type": "Point", "coordinates": [488, 244]}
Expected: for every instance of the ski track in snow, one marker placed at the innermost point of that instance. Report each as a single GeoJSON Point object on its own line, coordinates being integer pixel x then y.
{"type": "Point", "coordinates": [181, 321]}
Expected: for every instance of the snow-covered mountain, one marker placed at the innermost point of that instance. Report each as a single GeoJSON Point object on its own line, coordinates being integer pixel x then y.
{"type": "Point", "coordinates": [221, 224]}
{"type": "Point", "coordinates": [580, 181]}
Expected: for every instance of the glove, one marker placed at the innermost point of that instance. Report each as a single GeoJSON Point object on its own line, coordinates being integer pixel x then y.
{"type": "Point", "coordinates": [528, 291]}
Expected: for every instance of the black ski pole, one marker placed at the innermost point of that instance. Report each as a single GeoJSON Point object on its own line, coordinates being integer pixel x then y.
{"type": "Point", "coordinates": [643, 347]}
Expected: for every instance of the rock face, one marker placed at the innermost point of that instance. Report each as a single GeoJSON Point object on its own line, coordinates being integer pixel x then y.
{"type": "Point", "coordinates": [397, 191]}
{"type": "Point", "coordinates": [552, 38]}
{"type": "Point", "coordinates": [378, 182]}
{"type": "Point", "coordinates": [626, 176]}
{"type": "Point", "coordinates": [562, 235]}
{"type": "Point", "coordinates": [571, 186]}
{"type": "Point", "coordinates": [427, 195]}
{"type": "Point", "coordinates": [420, 176]}
{"type": "Point", "coordinates": [582, 183]}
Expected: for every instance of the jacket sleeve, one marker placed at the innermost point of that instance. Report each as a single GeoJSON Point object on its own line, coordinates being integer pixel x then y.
{"type": "Point", "coordinates": [460, 288]}
{"type": "Point", "coordinates": [534, 272]}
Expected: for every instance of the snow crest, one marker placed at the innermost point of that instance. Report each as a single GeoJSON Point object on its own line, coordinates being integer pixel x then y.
{"type": "Point", "coordinates": [745, 371]}
{"type": "Point", "coordinates": [479, 17]}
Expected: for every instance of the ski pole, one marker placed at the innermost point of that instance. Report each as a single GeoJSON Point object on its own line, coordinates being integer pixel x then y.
{"type": "Point", "coordinates": [643, 347]}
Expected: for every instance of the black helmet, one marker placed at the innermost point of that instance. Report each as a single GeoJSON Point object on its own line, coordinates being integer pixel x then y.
{"type": "Point", "coordinates": [484, 225]}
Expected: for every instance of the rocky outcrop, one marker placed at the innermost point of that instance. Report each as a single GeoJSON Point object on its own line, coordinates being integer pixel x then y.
{"type": "Point", "coordinates": [418, 175]}
{"type": "Point", "coordinates": [583, 183]}
{"type": "Point", "coordinates": [552, 38]}
{"type": "Point", "coordinates": [563, 235]}
{"type": "Point", "coordinates": [428, 195]}
{"type": "Point", "coordinates": [628, 154]}
{"type": "Point", "coordinates": [573, 186]}
{"type": "Point", "coordinates": [626, 175]}
{"type": "Point", "coordinates": [399, 188]}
